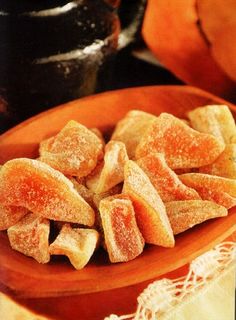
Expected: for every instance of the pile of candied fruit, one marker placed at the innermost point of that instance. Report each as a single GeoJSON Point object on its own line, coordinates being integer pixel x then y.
{"type": "Point", "coordinates": [156, 177]}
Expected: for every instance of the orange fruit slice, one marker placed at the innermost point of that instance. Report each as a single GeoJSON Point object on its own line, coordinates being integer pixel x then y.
{"type": "Point", "coordinates": [75, 150]}
{"type": "Point", "coordinates": [30, 237]}
{"type": "Point", "coordinates": [123, 239]}
{"type": "Point", "coordinates": [165, 180]}
{"type": "Point", "coordinates": [186, 214]}
{"type": "Point", "coordinates": [218, 189]}
{"type": "Point", "coordinates": [43, 190]}
{"type": "Point", "coordinates": [150, 211]}
{"type": "Point", "coordinates": [182, 146]}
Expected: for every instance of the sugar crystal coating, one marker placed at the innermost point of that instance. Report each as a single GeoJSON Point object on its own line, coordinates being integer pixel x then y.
{"type": "Point", "coordinates": [186, 214]}
{"type": "Point", "coordinates": [218, 189]}
{"type": "Point", "coordinates": [43, 190]}
{"type": "Point", "coordinates": [75, 150]}
{"type": "Point", "coordinates": [216, 120]}
{"type": "Point", "coordinates": [30, 237]}
{"type": "Point", "coordinates": [75, 243]}
{"type": "Point", "coordinates": [224, 165]}
{"type": "Point", "coordinates": [111, 171]}
{"type": "Point", "coordinates": [130, 129]}
{"type": "Point", "coordinates": [10, 215]}
{"type": "Point", "coordinates": [182, 146]}
{"type": "Point", "coordinates": [165, 181]}
{"type": "Point", "coordinates": [150, 210]}
{"type": "Point", "coordinates": [123, 239]}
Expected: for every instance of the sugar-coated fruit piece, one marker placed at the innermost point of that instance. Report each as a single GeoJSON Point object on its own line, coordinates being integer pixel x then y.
{"type": "Point", "coordinates": [182, 146]}
{"type": "Point", "coordinates": [184, 215]}
{"type": "Point", "coordinates": [111, 171]}
{"type": "Point", "coordinates": [99, 134]}
{"type": "Point", "coordinates": [216, 120]}
{"type": "Point", "coordinates": [75, 150]}
{"type": "Point", "coordinates": [218, 189]}
{"type": "Point", "coordinates": [224, 165]}
{"type": "Point", "coordinates": [111, 192]}
{"type": "Point", "coordinates": [30, 237]}
{"type": "Point", "coordinates": [83, 191]}
{"type": "Point", "coordinates": [149, 209]}
{"type": "Point", "coordinates": [10, 215]}
{"type": "Point", "coordinates": [75, 243]}
{"type": "Point", "coordinates": [131, 128]}
{"type": "Point", "coordinates": [123, 239]}
{"type": "Point", "coordinates": [43, 190]}
{"type": "Point", "coordinates": [165, 180]}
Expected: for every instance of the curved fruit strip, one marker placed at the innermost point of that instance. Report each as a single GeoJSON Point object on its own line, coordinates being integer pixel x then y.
{"type": "Point", "coordinates": [182, 146]}
{"type": "Point", "coordinates": [218, 189]}
{"type": "Point", "coordinates": [165, 180]}
{"type": "Point", "coordinates": [171, 30]}
{"type": "Point", "coordinates": [149, 209]}
{"type": "Point", "coordinates": [111, 171]}
{"type": "Point", "coordinates": [43, 190]}
{"type": "Point", "coordinates": [186, 214]}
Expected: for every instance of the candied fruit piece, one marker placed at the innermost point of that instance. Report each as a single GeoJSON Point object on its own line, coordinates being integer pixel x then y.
{"type": "Point", "coordinates": [30, 237]}
{"type": "Point", "coordinates": [75, 243]}
{"type": "Point", "coordinates": [216, 120]}
{"type": "Point", "coordinates": [150, 211]}
{"type": "Point", "coordinates": [186, 214]}
{"type": "Point", "coordinates": [43, 190]}
{"type": "Point", "coordinates": [218, 189]}
{"type": "Point", "coordinates": [123, 239]}
{"type": "Point", "coordinates": [99, 134]}
{"type": "Point", "coordinates": [111, 192]}
{"type": "Point", "coordinates": [224, 165]}
{"type": "Point", "coordinates": [182, 146]}
{"type": "Point", "coordinates": [130, 129]}
{"type": "Point", "coordinates": [111, 172]}
{"type": "Point", "coordinates": [10, 215]}
{"type": "Point", "coordinates": [74, 151]}
{"type": "Point", "coordinates": [165, 180]}
{"type": "Point", "coordinates": [83, 191]}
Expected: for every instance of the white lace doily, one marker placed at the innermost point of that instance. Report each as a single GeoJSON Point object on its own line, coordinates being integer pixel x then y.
{"type": "Point", "coordinates": [161, 296]}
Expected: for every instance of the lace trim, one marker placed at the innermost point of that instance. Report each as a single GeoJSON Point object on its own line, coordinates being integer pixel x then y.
{"type": "Point", "coordinates": [161, 296]}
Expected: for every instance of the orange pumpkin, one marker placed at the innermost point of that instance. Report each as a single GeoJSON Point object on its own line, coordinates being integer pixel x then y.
{"type": "Point", "coordinates": [195, 40]}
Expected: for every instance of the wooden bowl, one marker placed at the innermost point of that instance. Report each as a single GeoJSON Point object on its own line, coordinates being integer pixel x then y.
{"type": "Point", "coordinates": [25, 278]}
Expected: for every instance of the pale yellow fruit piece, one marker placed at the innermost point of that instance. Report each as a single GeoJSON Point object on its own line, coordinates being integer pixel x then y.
{"type": "Point", "coordinates": [186, 214]}
{"type": "Point", "coordinates": [216, 120]}
{"type": "Point", "coordinates": [224, 165]}
{"type": "Point", "coordinates": [75, 243]}
{"type": "Point", "coordinates": [131, 128]}
{"type": "Point", "coordinates": [30, 237]}
{"type": "Point", "coordinates": [111, 172]}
